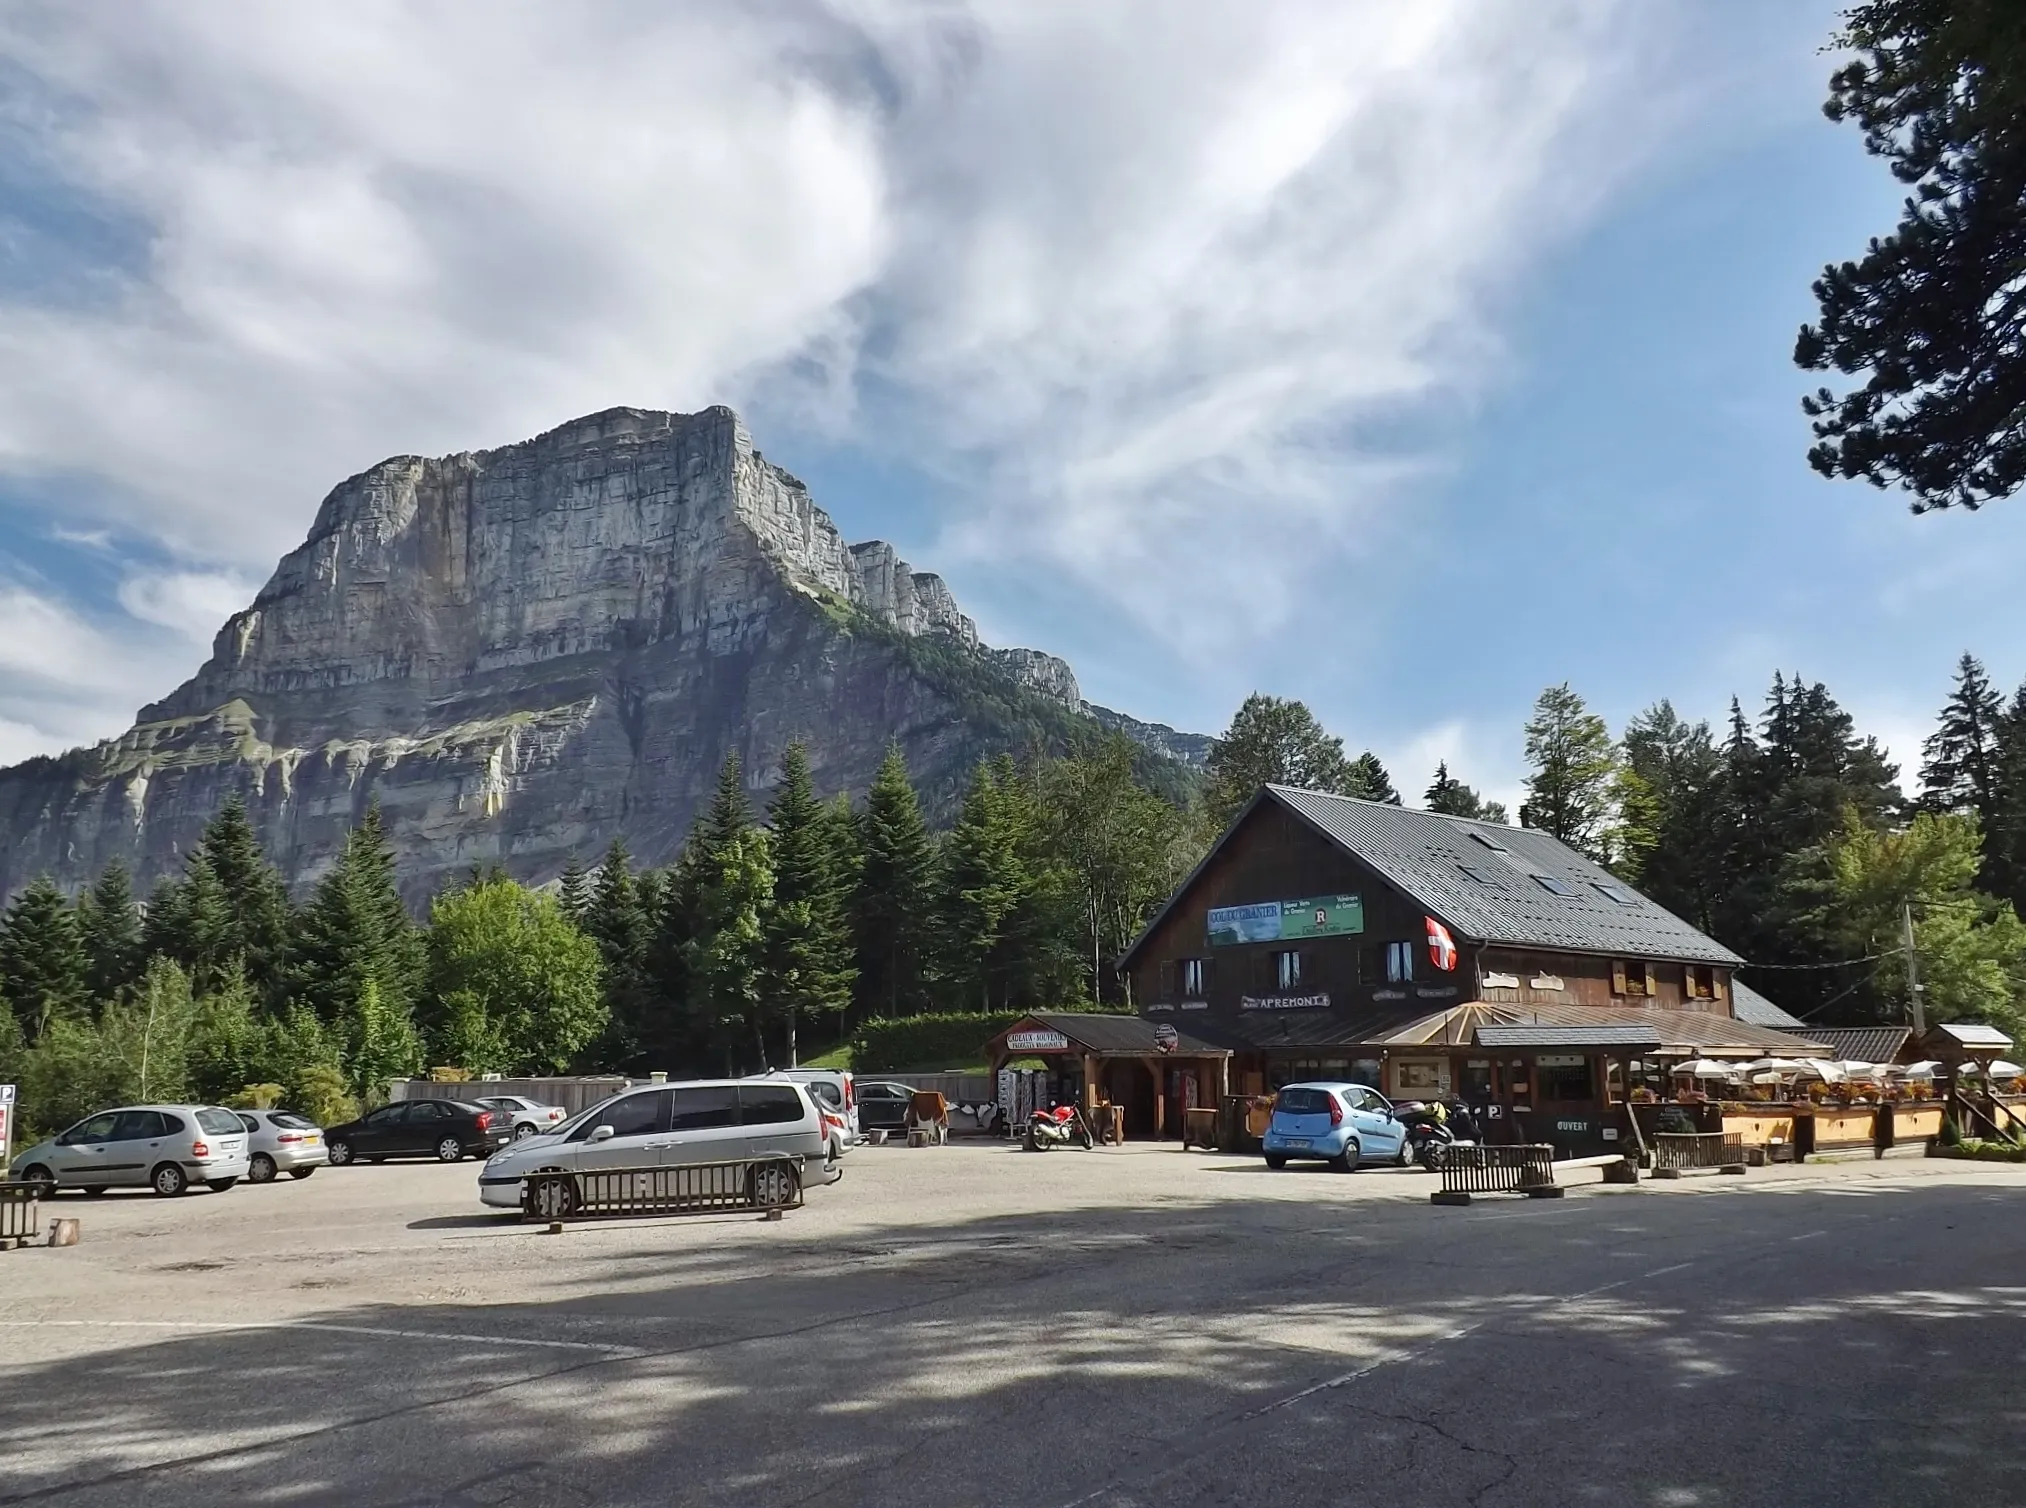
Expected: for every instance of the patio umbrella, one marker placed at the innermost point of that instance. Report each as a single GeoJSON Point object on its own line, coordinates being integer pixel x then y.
{"type": "Point", "coordinates": [1854, 1069]}
{"type": "Point", "coordinates": [1925, 1069]}
{"type": "Point", "coordinates": [1773, 1065]}
{"type": "Point", "coordinates": [1706, 1068]}
{"type": "Point", "coordinates": [1823, 1069]}
{"type": "Point", "coordinates": [2002, 1069]}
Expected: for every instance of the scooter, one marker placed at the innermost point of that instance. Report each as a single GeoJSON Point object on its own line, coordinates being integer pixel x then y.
{"type": "Point", "coordinates": [1431, 1136]}
{"type": "Point", "coordinates": [1059, 1127]}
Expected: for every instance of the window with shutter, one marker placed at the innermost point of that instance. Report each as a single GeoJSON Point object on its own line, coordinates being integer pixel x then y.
{"type": "Point", "coordinates": [1619, 984]}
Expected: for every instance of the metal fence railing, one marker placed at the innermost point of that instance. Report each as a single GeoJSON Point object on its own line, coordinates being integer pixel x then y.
{"type": "Point", "coordinates": [1685, 1152]}
{"type": "Point", "coordinates": [1495, 1170]}
{"type": "Point", "coordinates": [768, 1184]}
{"type": "Point", "coordinates": [20, 1213]}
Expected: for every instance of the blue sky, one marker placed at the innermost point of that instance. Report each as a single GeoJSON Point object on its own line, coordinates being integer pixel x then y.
{"type": "Point", "coordinates": [1404, 360]}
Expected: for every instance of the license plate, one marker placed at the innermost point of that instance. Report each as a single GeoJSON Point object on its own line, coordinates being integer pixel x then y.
{"type": "Point", "coordinates": [311, 1141]}
{"type": "Point", "coordinates": [1299, 1141]}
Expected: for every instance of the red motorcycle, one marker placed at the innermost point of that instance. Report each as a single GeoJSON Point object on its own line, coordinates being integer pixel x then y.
{"type": "Point", "coordinates": [1062, 1126]}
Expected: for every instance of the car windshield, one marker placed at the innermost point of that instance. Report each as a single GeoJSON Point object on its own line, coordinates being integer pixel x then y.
{"type": "Point", "coordinates": [825, 1092]}
{"type": "Point", "coordinates": [1303, 1102]}
{"type": "Point", "coordinates": [220, 1123]}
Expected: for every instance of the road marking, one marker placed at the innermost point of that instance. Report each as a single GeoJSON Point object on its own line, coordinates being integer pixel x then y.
{"type": "Point", "coordinates": [1808, 1235]}
{"type": "Point", "coordinates": [382, 1331]}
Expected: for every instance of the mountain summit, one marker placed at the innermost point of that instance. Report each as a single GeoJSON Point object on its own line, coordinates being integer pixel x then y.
{"type": "Point", "coordinates": [524, 653]}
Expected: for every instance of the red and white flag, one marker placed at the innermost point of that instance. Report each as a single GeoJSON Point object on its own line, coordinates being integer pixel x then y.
{"type": "Point", "coordinates": [1441, 946]}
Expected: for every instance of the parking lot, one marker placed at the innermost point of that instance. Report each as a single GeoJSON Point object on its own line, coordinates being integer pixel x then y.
{"type": "Point", "coordinates": [973, 1324]}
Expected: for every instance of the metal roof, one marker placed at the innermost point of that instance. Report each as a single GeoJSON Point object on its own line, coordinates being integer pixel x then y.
{"type": "Point", "coordinates": [1747, 1004]}
{"type": "Point", "coordinates": [1305, 1028]}
{"type": "Point", "coordinates": [1116, 1034]}
{"type": "Point", "coordinates": [1862, 1044]}
{"type": "Point", "coordinates": [1604, 1034]}
{"type": "Point", "coordinates": [1423, 854]}
{"type": "Point", "coordinates": [1975, 1034]}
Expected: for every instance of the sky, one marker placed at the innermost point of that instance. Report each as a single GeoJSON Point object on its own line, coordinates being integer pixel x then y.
{"type": "Point", "coordinates": [1401, 359]}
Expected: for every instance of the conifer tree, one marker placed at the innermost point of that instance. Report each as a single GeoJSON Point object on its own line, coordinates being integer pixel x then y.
{"type": "Point", "coordinates": [255, 902]}
{"type": "Point", "coordinates": [574, 891]}
{"type": "Point", "coordinates": [1575, 768]}
{"type": "Point", "coordinates": [1452, 798]}
{"type": "Point", "coordinates": [1005, 910]}
{"type": "Point", "coordinates": [384, 1042]}
{"type": "Point", "coordinates": [109, 927]}
{"type": "Point", "coordinates": [1959, 772]}
{"type": "Point", "coordinates": [808, 968]}
{"type": "Point", "coordinates": [355, 928]}
{"type": "Point", "coordinates": [893, 913]}
{"type": "Point", "coordinates": [42, 963]}
{"type": "Point", "coordinates": [613, 915]}
{"type": "Point", "coordinates": [190, 923]}
{"type": "Point", "coordinates": [1368, 780]}
{"type": "Point", "coordinates": [1273, 741]}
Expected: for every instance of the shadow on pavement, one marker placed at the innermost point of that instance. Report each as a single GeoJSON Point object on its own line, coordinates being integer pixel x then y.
{"type": "Point", "coordinates": [1784, 1349]}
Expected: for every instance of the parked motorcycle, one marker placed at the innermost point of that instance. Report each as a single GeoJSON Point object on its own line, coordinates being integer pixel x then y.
{"type": "Point", "coordinates": [1431, 1133]}
{"type": "Point", "coordinates": [1059, 1127]}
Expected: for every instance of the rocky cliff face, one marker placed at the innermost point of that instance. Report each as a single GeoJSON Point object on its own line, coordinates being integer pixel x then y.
{"type": "Point", "coordinates": [523, 653]}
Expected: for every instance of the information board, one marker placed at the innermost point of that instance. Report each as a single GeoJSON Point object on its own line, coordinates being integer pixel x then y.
{"type": "Point", "coordinates": [1286, 921]}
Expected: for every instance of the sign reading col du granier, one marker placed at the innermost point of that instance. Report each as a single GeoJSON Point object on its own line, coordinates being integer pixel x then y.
{"type": "Point", "coordinates": [1280, 921]}
{"type": "Point", "coordinates": [1036, 1041]}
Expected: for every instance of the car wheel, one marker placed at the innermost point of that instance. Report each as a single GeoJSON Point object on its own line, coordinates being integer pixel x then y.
{"type": "Point", "coordinates": [219, 1185]}
{"type": "Point", "coordinates": [168, 1180]}
{"type": "Point", "coordinates": [1404, 1158]}
{"type": "Point", "coordinates": [770, 1185]}
{"type": "Point", "coordinates": [833, 1162]}
{"type": "Point", "coordinates": [450, 1149]}
{"type": "Point", "coordinates": [1275, 1161]}
{"type": "Point", "coordinates": [36, 1173]}
{"type": "Point", "coordinates": [300, 1172]}
{"type": "Point", "coordinates": [340, 1153]}
{"type": "Point", "coordinates": [261, 1169]}
{"type": "Point", "coordinates": [523, 1131]}
{"type": "Point", "coordinates": [553, 1198]}
{"type": "Point", "coordinates": [1346, 1161]}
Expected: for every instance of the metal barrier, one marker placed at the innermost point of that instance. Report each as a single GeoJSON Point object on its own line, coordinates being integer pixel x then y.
{"type": "Point", "coordinates": [1675, 1153]}
{"type": "Point", "coordinates": [1528, 1170]}
{"type": "Point", "coordinates": [768, 1184]}
{"type": "Point", "coordinates": [20, 1213]}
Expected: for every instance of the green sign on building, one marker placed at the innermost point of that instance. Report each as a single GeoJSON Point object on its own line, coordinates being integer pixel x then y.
{"type": "Point", "coordinates": [1285, 921]}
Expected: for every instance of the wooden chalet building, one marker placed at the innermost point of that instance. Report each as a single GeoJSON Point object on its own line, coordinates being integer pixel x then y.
{"type": "Point", "coordinates": [1327, 937]}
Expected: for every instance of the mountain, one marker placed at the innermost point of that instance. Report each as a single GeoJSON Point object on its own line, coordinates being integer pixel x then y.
{"type": "Point", "coordinates": [524, 653]}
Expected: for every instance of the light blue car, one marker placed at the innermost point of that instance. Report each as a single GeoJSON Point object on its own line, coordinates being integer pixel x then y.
{"type": "Point", "coordinates": [1343, 1125]}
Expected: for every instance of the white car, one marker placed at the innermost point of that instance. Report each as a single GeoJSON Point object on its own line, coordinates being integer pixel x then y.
{"type": "Point", "coordinates": [161, 1147]}
{"type": "Point", "coordinates": [280, 1141]}
{"type": "Point", "coordinates": [528, 1117]}
{"type": "Point", "coordinates": [668, 1125]}
{"type": "Point", "coordinates": [835, 1089]}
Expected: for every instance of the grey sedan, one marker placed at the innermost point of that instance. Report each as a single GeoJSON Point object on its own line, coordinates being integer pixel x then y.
{"type": "Point", "coordinates": [280, 1141]}
{"type": "Point", "coordinates": [161, 1147]}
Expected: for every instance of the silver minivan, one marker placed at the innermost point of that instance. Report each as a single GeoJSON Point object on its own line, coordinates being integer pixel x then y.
{"type": "Point", "coordinates": [666, 1125]}
{"type": "Point", "coordinates": [163, 1147]}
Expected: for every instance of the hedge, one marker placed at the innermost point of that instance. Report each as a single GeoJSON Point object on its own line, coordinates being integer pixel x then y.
{"type": "Point", "coordinates": [921, 1044]}
{"type": "Point", "coordinates": [1971, 1150]}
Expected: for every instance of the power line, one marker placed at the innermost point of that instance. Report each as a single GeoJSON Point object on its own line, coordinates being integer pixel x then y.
{"type": "Point", "coordinates": [1841, 963]}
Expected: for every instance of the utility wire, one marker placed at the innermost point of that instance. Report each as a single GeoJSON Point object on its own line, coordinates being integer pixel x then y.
{"type": "Point", "coordinates": [1841, 963]}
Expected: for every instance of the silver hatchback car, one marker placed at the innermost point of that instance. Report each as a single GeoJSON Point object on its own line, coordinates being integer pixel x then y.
{"type": "Point", "coordinates": [280, 1141]}
{"type": "Point", "coordinates": [161, 1147]}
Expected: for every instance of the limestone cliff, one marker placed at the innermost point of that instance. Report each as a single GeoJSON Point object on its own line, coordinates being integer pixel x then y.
{"type": "Point", "coordinates": [523, 653]}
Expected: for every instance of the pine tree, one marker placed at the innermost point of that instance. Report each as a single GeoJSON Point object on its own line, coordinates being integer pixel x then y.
{"type": "Point", "coordinates": [189, 922]}
{"type": "Point", "coordinates": [1368, 779]}
{"type": "Point", "coordinates": [109, 925]}
{"type": "Point", "coordinates": [1452, 798]}
{"type": "Point", "coordinates": [355, 928]}
{"type": "Point", "coordinates": [2004, 872]}
{"type": "Point", "coordinates": [1959, 772]}
{"type": "Point", "coordinates": [613, 915]}
{"type": "Point", "coordinates": [726, 952]}
{"type": "Point", "coordinates": [257, 913]}
{"type": "Point", "coordinates": [892, 915]}
{"type": "Point", "coordinates": [808, 969]}
{"type": "Point", "coordinates": [1676, 805]}
{"type": "Point", "coordinates": [42, 963]}
{"type": "Point", "coordinates": [1005, 910]}
{"type": "Point", "coordinates": [574, 891]}
{"type": "Point", "coordinates": [1575, 768]}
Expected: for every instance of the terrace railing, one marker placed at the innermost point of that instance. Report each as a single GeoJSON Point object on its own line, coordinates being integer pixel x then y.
{"type": "Point", "coordinates": [769, 1185]}
{"type": "Point", "coordinates": [1526, 1170]}
{"type": "Point", "coordinates": [1675, 1153]}
{"type": "Point", "coordinates": [20, 1213]}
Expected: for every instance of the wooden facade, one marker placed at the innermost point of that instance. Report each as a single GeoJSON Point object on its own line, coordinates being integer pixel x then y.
{"type": "Point", "coordinates": [1275, 856]}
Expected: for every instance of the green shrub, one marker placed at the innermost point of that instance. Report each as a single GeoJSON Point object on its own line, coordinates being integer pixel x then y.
{"type": "Point", "coordinates": [1970, 1149]}
{"type": "Point", "coordinates": [902, 1044]}
{"type": "Point", "coordinates": [319, 1091]}
{"type": "Point", "coordinates": [256, 1097]}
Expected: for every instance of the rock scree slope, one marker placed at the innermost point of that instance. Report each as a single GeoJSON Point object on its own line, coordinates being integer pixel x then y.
{"type": "Point", "coordinates": [524, 653]}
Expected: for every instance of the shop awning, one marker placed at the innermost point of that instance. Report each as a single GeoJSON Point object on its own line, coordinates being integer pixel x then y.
{"type": "Point", "coordinates": [1631, 1037]}
{"type": "Point", "coordinates": [1045, 1032]}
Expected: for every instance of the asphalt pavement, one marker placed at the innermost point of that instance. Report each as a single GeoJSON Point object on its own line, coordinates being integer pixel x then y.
{"type": "Point", "coordinates": [975, 1325]}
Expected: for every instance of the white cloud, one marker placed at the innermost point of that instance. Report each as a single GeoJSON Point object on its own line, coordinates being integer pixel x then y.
{"type": "Point", "coordinates": [69, 677]}
{"type": "Point", "coordinates": [1146, 279]}
{"type": "Point", "coordinates": [193, 603]}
